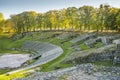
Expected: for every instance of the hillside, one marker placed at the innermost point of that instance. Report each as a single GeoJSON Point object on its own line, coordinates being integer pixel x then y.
{"type": "Point", "coordinates": [58, 50]}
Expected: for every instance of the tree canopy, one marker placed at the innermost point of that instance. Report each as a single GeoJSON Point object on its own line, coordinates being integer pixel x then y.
{"type": "Point", "coordinates": [1, 22]}
{"type": "Point", "coordinates": [84, 18]}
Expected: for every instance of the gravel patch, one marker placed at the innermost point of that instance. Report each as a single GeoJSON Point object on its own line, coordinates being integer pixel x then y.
{"type": "Point", "coordinates": [13, 60]}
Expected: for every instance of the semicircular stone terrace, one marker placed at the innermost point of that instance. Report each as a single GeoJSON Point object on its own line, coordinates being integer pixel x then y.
{"type": "Point", "coordinates": [45, 51]}
{"type": "Point", "coordinates": [41, 48]}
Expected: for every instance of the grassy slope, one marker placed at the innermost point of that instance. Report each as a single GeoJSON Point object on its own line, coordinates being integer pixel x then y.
{"type": "Point", "coordinates": [83, 47]}
{"type": "Point", "coordinates": [48, 66]}
{"type": "Point", "coordinates": [52, 64]}
{"type": "Point", "coordinates": [6, 44]}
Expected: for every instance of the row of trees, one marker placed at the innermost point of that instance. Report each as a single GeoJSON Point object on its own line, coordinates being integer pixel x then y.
{"type": "Point", "coordinates": [84, 18]}
{"type": "Point", "coordinates": [1, 22]}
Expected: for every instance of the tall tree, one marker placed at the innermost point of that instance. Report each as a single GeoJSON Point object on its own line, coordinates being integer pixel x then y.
{"type": "Point", "coordinates": [86, 13]}
{"type": "Point", "coordinates": [85, 17]}
{"type": "Point", "coordinates": [118, 20]}
{"type": "Point", "coordinates": [1, 22]}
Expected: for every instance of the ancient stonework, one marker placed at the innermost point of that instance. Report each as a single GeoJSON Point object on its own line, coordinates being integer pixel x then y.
{"type": "Point", "coordinates": [117, 53]}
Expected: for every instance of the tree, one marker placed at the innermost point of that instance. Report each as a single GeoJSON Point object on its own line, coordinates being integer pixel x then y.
{"type": "Point", "coordinates": [118, 20]}
{"type": "Point", "coordinates": [85, 16]}
{"type": "Point", "coordinates": [7, 26]}
{"type": "Point", "coordinates": [71, 14]}
{"type": "Point", "coordinates": [1, 22]}
{"type": "Point", "coordinates": [110, 21]}
{"type": "Point", "coordinates": [39, 20]}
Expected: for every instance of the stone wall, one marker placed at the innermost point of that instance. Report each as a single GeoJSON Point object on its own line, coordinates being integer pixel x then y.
{"type": "Point", "coordinates": [79, 72]}
{"type": "Point", "coordinates": [105, 56]}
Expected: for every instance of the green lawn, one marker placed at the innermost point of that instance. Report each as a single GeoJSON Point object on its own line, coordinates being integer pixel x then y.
{"type": "Point", "coordinates": [99, 44]}
{"type": "Point", "coordinates": [83, 46]}
{"type": "Point", "coordinates": [6, 44]}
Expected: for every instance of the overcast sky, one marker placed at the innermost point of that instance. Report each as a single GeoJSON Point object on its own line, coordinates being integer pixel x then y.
{"type": "Point", "coordinates": [8, 7]}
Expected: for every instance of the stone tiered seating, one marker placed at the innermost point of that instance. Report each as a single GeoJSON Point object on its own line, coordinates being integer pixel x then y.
{"type": "Point", "coordinates": [65, 35]}
{"type": "Point", "coordinates": [117, 53]}
{"type": "Point", "coordinates": [109, 39]}
{"type": "Point", "coordinates": [82, 37]}
{"type": "Point", "coordinates": [90, 43]}
{"type": "Point", "coordinates": [42, 49]}
{"type": "Point", "coordinates": [47, 52]}
{"type": "Point", "coordinates": [85, 53]}
{"type": "Point", "coordinates": [106, 40]}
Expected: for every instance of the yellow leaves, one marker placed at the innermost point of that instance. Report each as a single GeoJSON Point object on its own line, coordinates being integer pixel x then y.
{"type": "Point", "coordinates": [1, 17]}
{"type": "Point", "coordinates": [113, 10]}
